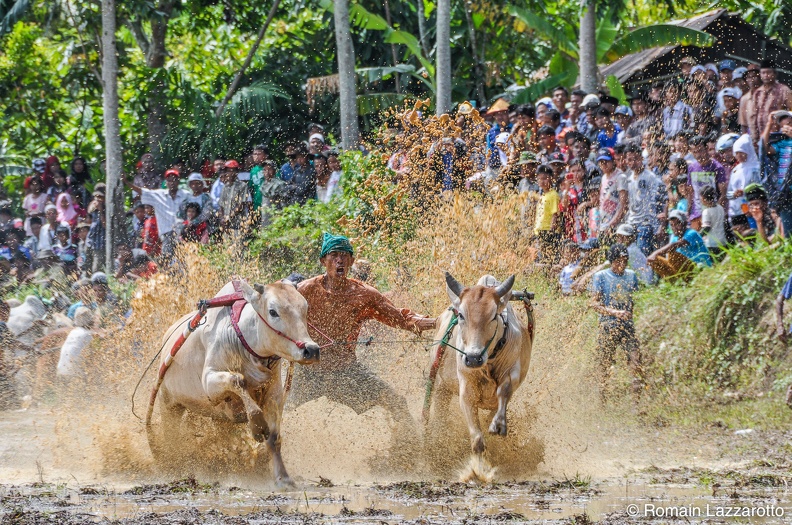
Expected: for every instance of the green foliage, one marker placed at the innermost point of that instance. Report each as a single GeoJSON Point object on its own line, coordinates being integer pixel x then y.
{"type": "Point", "coordinates": [656, 36]}
{"type": "Point", "coordinates": [718, 331]}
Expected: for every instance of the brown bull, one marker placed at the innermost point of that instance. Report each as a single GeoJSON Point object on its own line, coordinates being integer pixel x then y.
{"type": "Point", "coordinates": [493, 352]}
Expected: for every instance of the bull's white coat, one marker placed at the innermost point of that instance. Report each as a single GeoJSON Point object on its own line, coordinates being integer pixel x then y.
{"type": "Point", "coordinates": [214, 376]}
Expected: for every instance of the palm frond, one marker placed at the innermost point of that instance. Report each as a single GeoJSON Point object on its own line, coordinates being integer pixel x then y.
{"type": "Point", "coordinates": [255, 100]}
{"type": "Point", "coordinates": [657, 35]}
{"type": "Point", "coordinates": [535, 91]}
{"type": "Point", "coordinates": [544, 29]}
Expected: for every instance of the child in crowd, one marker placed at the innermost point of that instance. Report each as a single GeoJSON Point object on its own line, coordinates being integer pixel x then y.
{"type": "Point", "coordinates": [34, 202]}
{"type": "Point", "coordinates": [32, 241]}
{"type": "Point", "coordinates": [712, 222]}
{"type": "Point", "coordinates": [82, 248]}
{"type": "Point", "coordinates": [571, 198]}
{"type": "Point", "coordinates": [677, 181]}
{"type": "Point", "coordinates": [593, 218]}
{"type": "Point", "coordinates": [58, 186]}
{"type": "Point", "coordinates": [65, 250]}
{"type": "Point", "coordinates": [151, 241]}
{"type": "Point", "coordinates": [546, 227]}
{"type": "Point", "coordinates": [191, 229]}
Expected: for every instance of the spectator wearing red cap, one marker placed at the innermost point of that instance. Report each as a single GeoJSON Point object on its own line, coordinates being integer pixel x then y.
{"type": "Point", "coordinates": [234, 200]}
{"type": "Point", "coordinates": [147, 176]}
{"type": "Point", "coordinates": [166, 204]}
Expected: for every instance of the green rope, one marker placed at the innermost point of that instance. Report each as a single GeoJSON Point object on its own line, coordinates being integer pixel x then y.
{"type": "Point", "coordinates": [430, 381]}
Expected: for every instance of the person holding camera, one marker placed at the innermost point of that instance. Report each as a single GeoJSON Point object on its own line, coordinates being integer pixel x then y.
{"type": "Point", "coordinates": [777, 143]}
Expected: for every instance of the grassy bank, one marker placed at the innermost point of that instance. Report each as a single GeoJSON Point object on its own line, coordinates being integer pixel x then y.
{"type": "Point", "coordinates": [711, 342]}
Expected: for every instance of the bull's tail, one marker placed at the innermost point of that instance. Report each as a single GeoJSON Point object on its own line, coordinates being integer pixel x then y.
{"type": "Point", "coordinates": [193, 325]}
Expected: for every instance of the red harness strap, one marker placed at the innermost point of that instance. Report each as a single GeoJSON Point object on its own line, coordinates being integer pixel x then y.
{"type": "Point", "coordinates": [238, 303]}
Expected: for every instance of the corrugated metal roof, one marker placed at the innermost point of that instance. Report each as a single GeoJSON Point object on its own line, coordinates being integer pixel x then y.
{"type": "Point", "coordinates": [626, 66]}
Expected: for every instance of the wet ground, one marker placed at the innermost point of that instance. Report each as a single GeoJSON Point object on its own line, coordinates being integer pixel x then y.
{"type": "Point", "coordinates": [747, 484]}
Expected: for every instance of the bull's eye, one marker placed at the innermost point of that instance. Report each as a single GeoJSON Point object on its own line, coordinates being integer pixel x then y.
{"type": "Point", "coordinates": [461, 317]}
{"type": "Point", "coordinates": [273, 313]}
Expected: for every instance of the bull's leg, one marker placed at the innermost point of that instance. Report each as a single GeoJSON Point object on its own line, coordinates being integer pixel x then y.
{"type": "Point", "coordinates": [504, 393]}
{"type": "Point", "coordinates": [466, 402]}
{"type": "Point", "coordinates": [217, 386]}
{"type": "Point", "coordinates": [272, 410]}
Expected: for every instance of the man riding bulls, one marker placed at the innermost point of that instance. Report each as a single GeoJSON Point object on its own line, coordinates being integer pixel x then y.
{"type": "Point", "coordinates": [338, 306]}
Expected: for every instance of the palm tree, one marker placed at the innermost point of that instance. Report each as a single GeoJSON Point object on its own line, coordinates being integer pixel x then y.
{"type": "Point", "coordinates": [346, 75]}
{"type": "Point", "coordinates": [611, 41]}
{"type": "Point", "coordinates": [443, 69]}
{"type": "Point", "coordinates": [588, 46]}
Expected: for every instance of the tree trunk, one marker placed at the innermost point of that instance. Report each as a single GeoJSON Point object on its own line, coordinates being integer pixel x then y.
{"type": "Point", "coordinates": [394, 55]}
{"type": "Point", "coordinates": [346, 76]}
{"type": "Point", "coordinates": [588, 46]}
{"type": "Point", "coordinates": [422, 28]}
{"type": "Point", "coordinates": [478, 70]}
{"type": "Point", "coordinates": [115, 196]}
{"type": "Point", "coordinates": [443, 55]}
{"type": "Point", "coordinates": [248, 60]}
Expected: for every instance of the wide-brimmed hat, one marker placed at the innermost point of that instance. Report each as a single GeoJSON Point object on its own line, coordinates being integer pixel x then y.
{"type": "Point", "coordinates": [527, 157]}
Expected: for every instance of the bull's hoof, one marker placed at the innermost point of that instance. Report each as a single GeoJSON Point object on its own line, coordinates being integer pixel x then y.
{"type": "Point", "coordinates": [498, 426]}
{"type": "Point", "coordinates": [285, 483]}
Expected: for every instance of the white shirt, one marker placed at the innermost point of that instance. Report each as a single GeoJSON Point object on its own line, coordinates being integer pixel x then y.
{"type": "Point", "coordinates": [637, 261]}
{"type": "Point", "coordinates": [70, 362]}
{"type": "Point", "coordinates": [217, 189]}
{"type": "Point", "coordinates": [713, 218]}
{"type": "Point", "coordinates": [326, 193]}
{"type": "Point", "coordinates": [165, 208]}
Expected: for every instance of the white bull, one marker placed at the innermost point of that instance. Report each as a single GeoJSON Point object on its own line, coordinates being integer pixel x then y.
{"type": "Point", "coordinates": [494, 352]}
{"type": "Point", "coordinates": [213, 374]}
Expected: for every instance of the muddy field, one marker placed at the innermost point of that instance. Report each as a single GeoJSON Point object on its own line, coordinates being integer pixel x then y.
{"type": "Point", "coordinates": [53, 473]}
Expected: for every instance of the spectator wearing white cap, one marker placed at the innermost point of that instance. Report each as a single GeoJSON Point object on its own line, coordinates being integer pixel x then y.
{"type": "Point", "coordinates": [316, 144]}
{"type": "Point", "coordinates": [627, 235]}
{"type": "Point", "coordinates": [50, 224]}
{"type": "Point", "coordinates": [726, 71]}
{"type": "Point", "coordinates": [199, 196]}
{"type": "Point", "coordinates": [729, 109]}
{"type": "Point", "coordinates": [502, 148]}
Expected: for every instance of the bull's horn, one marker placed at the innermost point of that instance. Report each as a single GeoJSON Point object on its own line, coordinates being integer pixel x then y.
{"type": "Point", "coordinates": [505, 287]}
{"type": "Point", "coordinates": [453, 284]}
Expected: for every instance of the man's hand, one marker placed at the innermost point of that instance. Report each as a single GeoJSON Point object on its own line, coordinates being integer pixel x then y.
{"type": "Point", "coordinates": [427, 323]}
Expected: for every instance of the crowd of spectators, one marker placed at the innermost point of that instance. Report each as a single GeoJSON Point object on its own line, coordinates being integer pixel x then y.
{"type": "Point", "coordinates": [689, 166]}
{"type": "Point", "coordinates": [62, 227]}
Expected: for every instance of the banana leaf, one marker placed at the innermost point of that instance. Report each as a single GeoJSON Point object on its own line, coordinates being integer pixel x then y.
{"type": "Point", "coordinates": [536, 91]}
{"type": "Point", "coordinates": [657, 35]}
{"type": "Point", "coordinates": [544, 29]}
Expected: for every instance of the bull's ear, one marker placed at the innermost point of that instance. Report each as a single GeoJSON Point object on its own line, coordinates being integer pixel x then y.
{"type": "Point", "coordinates": [454, 290]}
{"type": "Point", "coordinates": [250, 294]}
{"type": "Point", "coordinates": [259, 288]}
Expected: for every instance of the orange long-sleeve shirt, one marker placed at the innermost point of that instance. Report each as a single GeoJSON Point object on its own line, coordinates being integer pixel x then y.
{"type": "Point", "coordinates": [341, 313]}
